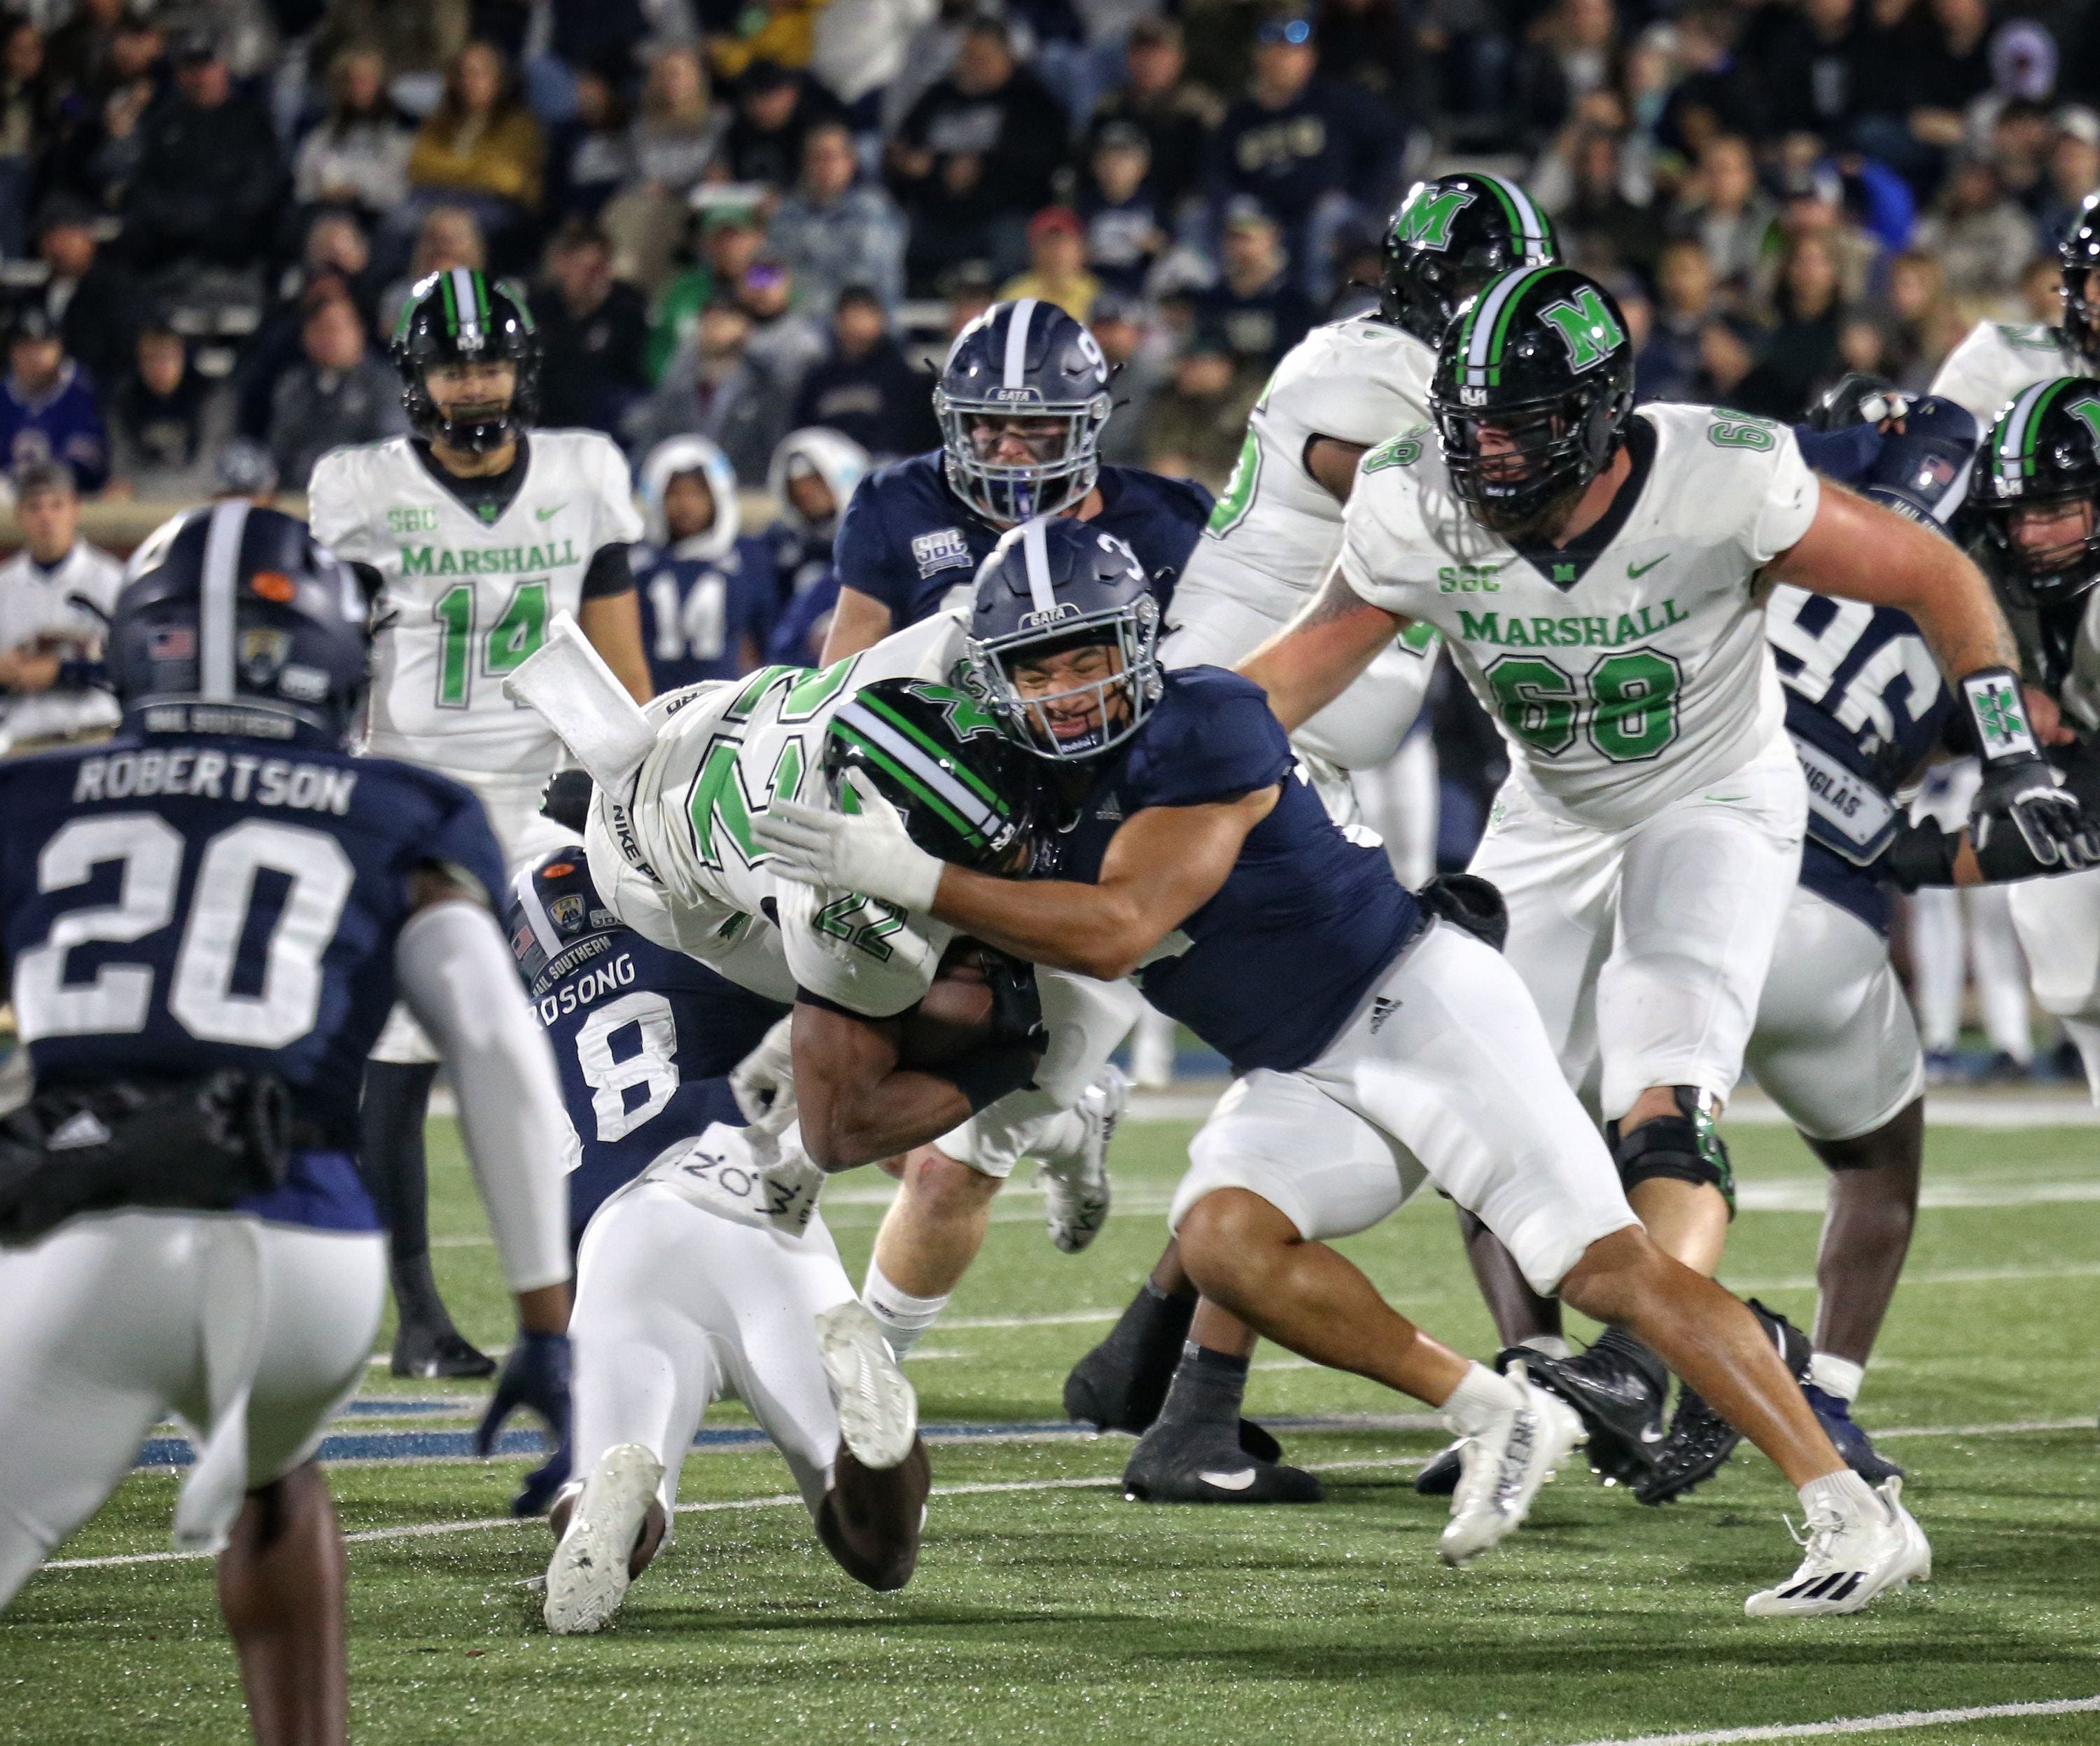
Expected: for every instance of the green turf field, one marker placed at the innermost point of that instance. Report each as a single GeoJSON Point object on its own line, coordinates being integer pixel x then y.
{"type": "Point", "coordinates": [1047, 1609]}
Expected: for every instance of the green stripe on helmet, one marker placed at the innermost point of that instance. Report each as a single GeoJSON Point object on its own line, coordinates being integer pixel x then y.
{"type": "Point", "coordinates": [481, 296]}
{"type": "Point", "coordinates": [904, 726]}
{"type": "Point", "coordinates": [910, 783]}
{"type": "Point", "coordinates": [451, 303]}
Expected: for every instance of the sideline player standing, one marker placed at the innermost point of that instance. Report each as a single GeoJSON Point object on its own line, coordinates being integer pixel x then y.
{"type": "Point", "coordinates": [481, 530]}
{"type": "Point", "coordinates": [205, 921]}
{"type": "Point", "coordinates": [1600, 575]}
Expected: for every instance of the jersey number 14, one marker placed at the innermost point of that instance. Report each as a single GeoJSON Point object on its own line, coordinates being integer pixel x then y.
{"type": "Point", "coordinates": [518, 631]}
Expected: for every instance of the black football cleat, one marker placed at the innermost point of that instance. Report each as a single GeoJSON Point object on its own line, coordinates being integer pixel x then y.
{"type": "Point", "coordinates": [1179, 1462]}
{"type": "Point", "coordinates": [1618, 1387]}
{"type": "Point", "coordinates": [428, 1352]}
{"type": "Point", "coordinates": [1700, 1441]}
{"type": "Point", "coordinates": [1438, 1477]}
{"type": "Point", "coordinates": [1106, 1391]}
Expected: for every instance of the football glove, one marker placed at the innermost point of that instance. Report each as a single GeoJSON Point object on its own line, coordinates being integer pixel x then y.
{"type": "Point", "coordinates": [867, 852]}
{"type": "Point", "coordinates": [2020, 792]}
{"type": "Point", "coordinates": [536, 1375]}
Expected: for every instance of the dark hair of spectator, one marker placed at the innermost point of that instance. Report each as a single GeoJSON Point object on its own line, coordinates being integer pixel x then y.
{"type": "Point", "coordinates": [43, 476]}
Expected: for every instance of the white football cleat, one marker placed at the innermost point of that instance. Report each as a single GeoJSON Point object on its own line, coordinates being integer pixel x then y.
{"type": "Point", "coordinates": [878, 1412]}
{"type": "Point", "coordinates": [1075, 1187]}
{"type": "Point", "coordinates": [587, 1578]}
{"type": "Point", "coordinates": [1849, 1558]}
{"type": "Point", "coordinates": [1501, 1470]}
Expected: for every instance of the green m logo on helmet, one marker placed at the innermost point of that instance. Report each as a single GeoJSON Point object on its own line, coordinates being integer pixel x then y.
{"type": "Point", "coordinates": [1587, 327]}
{"type": "Point", "coordinates": [2087, 412]}
{"type": "Point", "coordinates": [1426, 220]}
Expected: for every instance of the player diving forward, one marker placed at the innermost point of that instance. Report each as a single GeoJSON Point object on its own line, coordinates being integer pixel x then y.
{"type": "Point", "coordinates": [683, 1296]}
{"type": "Point", "coordinates": [482, 529]}
{"type": "Point", "coordinates": [1196, 858]}
{"type": "Point", "coordinates": [206, 920]}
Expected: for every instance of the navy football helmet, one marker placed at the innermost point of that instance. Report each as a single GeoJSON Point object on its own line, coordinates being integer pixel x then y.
{"type": "Point", "coordinates": [553, 906]}
{"type": "Point", "coordinates": [1858, 397]}
{"type": "Point", "coordinates": [1448, 239]}
{"type": "Point", "coordinates": [1026, 379]}
{"type": "Point", "coordinates": [233, 620]}
{"type": "Point", "coordinates": [1049, 587]}
{"type": "Point", "coordinates": [1922, 471]}
{"type": "Point", "coordinates": [462, 316]}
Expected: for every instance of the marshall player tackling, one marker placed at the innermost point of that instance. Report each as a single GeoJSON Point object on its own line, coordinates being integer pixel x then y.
{"type": "Point", "coordinates": [481, 532]}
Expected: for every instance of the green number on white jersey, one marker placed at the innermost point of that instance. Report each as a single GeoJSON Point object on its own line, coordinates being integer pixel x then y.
{"type": "Point", "coordinates": [519, 632]}
{"type": "Point", "coordinates": [1237, 498]}
{"type": "Point", "coordinates": [1630, 710]}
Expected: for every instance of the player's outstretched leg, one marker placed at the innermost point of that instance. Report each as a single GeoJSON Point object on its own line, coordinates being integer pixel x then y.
{"type": "Point", "coordinates": [871, 1517]}
{"type": "Point", "coordinates": [607, 1530]}
{"type": "Point", "coordinates": [280, 1590]}
{"type": "Point", "coordinates": [929, 1238]}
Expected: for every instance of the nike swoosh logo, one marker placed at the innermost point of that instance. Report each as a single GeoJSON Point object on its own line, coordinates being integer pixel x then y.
{"type": "Point", "coordinates": [1229, 1482]}
{"type": "Point", "coordinates": [1653, 1434]}
{"type": "Point", "coordinates": [542, 515]}
{"type": "Point", "coordinates": [1725, 799]}
{"type": "Point", "coordinates": [1642, 570]}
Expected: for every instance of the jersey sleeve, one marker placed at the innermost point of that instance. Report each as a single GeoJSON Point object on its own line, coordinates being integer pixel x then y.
{"type": "Point", "coordinates": [863, 556]}
{"type": "Point", "coordinates": [341, 521]}
{"type": "Point", "coordinates": [1212, 739]}
{"type": "Point", "coordinates": [1981, 374]}
{"type": "Point", "coordinates": [1788, 504]}
{"type": "Point", "coordinates": [1383, 557]}
{"type": "Point", "coordinates": [870, 958]}
{"type": "Point", "coordinates": [463, 843]}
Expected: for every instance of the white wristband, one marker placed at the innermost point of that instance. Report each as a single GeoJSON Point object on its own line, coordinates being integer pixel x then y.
{"type": "Point", "coordinates": [1998, 714]}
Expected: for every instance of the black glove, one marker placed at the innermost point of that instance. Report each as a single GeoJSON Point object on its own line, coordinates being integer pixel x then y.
{"type": "Point", "coordinates": [1920, 854]}
{"type": "Point", "coordinates": [2020, 792]}
{"type": "Point", "coordinates": [1467, 901]}
{"type": "Point", "coordinates": [535, 1375]}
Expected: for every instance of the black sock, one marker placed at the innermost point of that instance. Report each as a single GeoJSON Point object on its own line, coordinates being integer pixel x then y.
{"type": "Point", "coordinates": [1208, 1387]}
{"type": "Point", "coordinates": [1146, 1345]}
{"type": "Point", "coordinates": [1624, 1352]}
{"type": "Point", "coordinates": [416, 1295]}
{"type": "Point", "coordinates": [389, 1152]}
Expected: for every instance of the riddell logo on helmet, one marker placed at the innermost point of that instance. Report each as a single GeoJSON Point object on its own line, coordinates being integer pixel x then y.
{"type": "Point", "coordinates": [1063, 610]}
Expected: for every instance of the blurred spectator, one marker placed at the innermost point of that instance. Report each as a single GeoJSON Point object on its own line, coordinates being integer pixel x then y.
{"type": "Point", "coordinates": [1572, 53]}
{"type": "Point", "coordinates": [28, 110]}
{"type": "Point", "coordinates": [711, 388]}
{"type": "Point", "coordinates": [1714, 92]}
{"type": "Point", "coordinates": [1195, 424]}
{"type": "Point", "coordinates": [1928, 323]}
{"type": "Point", "coordinates": [590, 157]}
{"type": "Point", "coordinates": [1722, 206]}
{"type": "Point", "coordinates": [1979, 237]}
{"type": "Point", "coordinates": [77, 54]}
{"type": "Point", "coordinates": [210, 179]}
{"type": "Point", "coordinates": [55, 598]}
{"type": "Point", "coordinates": [2021, 135]}
{"type": "Point", "coordinates": [449, 236]}
{"type": "Point", "coordinates": [2074, 172]}
{"type": "Point", "coordinates": [966, 291]}
{"type": "Point", "coordinates": [1730, 374]}
{"type": "Point", "coordinates": [244, 469]}
{"type": "Point", "coordinates": [780, 32]}
{"type": "Point", "coordinates": [673, 141]}
{"type": "Point", "coordinates": [1667, 367]}
{"type": "Point", "coordinates": [358, 156]}
{"type": "Point", "coordinates": [1257, 307]}
{"type": "Point", "coordinates": [2041, 291]}
{"type": "Point", "coordinates": [975, 157]}
{"type": "Point", "coordinates": [1056, 265]}
{"type": "Point", "coordinates": [1814, 206]}
{"type": "Point", "coordinates": [415, 36]}
{"type": "Point", "coordinates": [859, 49]}
{"type": "Point", "coordinates": [91, 295]}
{"type": "Point", "coordinates": [1376, 44]}
{"type": "Point", "coordinates": [775, 109]}
{"type": "Point", "coordinates": [48, 409]}
{"type": "Point", "coordinates": [1124, 236]}
{"type": "Point", "coordinates": [335, 258]}
{"type": "Point", "coordinates": [1176, 115]}
{"type": "Point", "coordinates": [1138, 364]}
{"type": "Point", "coordinates": [593, 334]}
{"type": "Point", "coordinates": [166, 422]}
{"type": "Point", "coordinates": [865, 388]}
{"type": "Point", "coordinates": [924, 58]}
{"type": "Point", "coordinates": [1602, 231]}
{"type": "Point", "coordinates": [1809, 68]}
{"type": "Point", "coordinates": [706, 591]}
{"type": "Point", "coordinates": [480, 148]}
{"type": "Point", "coordinates": [784, 341]}
{"type": "Point", "coordinates": [730, 238]}
{"type": "Point", "coordinates": [1801, 349]}
{"type": "Point", "coordinates": [1921, 66]}
{"type": "Point", "coordinates": [98, 153]}
{"type": "Point", "coordinates": [835, 231]}
{"type": "Point", "coordinates": [811, 479]}
{"type": "Point", "coordinates": [338, 393]}
{"type": "Point", "coordinates": [1304, 144]}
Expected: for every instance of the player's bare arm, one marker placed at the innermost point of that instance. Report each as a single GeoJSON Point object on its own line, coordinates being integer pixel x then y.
{"type": "Point", "coordinates": [1333, 462]}
{"type": "Point", "coordinates": [855, 1103]}
{"type": "Point", "coordinates": [612, 624]}
{"type": "Point", "coordinates": [1320, 654]}
{"type": "Point", "coordinates": [858, 622]}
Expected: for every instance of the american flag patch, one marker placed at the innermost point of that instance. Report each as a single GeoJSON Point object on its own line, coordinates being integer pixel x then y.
{"type": "Point", "coordinates": [172, 642]}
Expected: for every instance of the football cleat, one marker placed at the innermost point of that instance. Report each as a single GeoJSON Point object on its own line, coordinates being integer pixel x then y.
{"type": "Point", "coordinates": [1849, 1558]}
{"type": "Point", "coordinates": [1075, 1187]}
{"type": "Point", "coordinates": [1113, 1390]}
{"type": "Point", "coordinates": [1854, 1447]}
{"type": "Point", "coordinates": [605, 1540]}
{"type": "Point", "coordinates": [1178, 1462]}
{"type": "Point", "coordinates": [878, 1412]}
{"type": "Point", "coordinates": [424, 1351]}
{"type": "Point", "coordinates": [1617, 1387]}
{"type": "Point", "coordinates": [1700, 1441]}
{"type": "Point", "coordinates": [1440, 1475]}
{"type": "Point", "coordinates": [1502, 1469]}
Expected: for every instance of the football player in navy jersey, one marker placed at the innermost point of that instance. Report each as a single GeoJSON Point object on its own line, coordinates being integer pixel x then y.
{"type": "Point", "coordinates": [683, 1295]}
{"type": "Point", "coordinates": [207, 919]}
{"type": "Point", "coordinates": [708, 592]}
{"type": "Point", "coordinates": [1022, 400]}
{"type": "Point", "coordinates": [1195, 858]}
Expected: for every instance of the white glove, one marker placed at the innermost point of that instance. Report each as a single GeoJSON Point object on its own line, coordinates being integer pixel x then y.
{"type": "Point", "coordinates": [763, 1084]}
{"type": "Point", "coordinates": [867, 852]}
{"type": "Point", "coordinates": [721, 1172]}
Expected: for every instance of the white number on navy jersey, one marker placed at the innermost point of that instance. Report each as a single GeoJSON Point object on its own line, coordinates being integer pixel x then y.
{"type": "Point", "coordinates": [653, 1065]}
{"type": "Point", "coordinates": [1861, 703]}
{"type": "Point", "coordinates": [694, 627]}
{"type": "Point", "coordinates": [149, 850]}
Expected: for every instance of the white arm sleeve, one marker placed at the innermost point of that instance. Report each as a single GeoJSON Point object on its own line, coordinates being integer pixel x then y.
{"type": "Point", "coordinates": [453, 968]}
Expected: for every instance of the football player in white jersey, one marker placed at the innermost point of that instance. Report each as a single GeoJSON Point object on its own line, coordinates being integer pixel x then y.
{"type": "Point", "coordinates": [1599, 577]}
{"type": "Point", "coordinates": [1998, 359]}
{"type": "Point", "coordinates": [481, 530]}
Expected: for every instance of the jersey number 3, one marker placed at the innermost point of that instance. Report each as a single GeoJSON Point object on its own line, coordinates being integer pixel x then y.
{"type": "Point", "coordinates": [117, 999]}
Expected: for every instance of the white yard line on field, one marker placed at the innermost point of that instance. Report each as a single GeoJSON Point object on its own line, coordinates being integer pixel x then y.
{"type": "Point", "coordinates": [1887, 1724]}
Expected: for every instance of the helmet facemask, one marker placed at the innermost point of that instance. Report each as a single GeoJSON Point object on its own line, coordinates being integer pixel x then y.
{"type": "Point", "coordinates": [1062, 439]}
{"type": "Point", "coordinates": [2057, 567]}
{"type": "Point", "coordinates": [1519, 468]}
{"type": "Point", "coordinates": [1101, 709]}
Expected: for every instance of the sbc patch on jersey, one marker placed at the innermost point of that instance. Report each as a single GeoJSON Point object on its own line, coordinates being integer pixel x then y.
{"type": "Point", "coordinates": [944, 549]}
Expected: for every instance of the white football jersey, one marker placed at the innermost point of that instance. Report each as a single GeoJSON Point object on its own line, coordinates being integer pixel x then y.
{"type": "Point", "coordinates": [1359, 380]}
{"type": "Point", "coordinates": [1625, 684]}
{"type": "Point", "coordinates": [679, 864]}
{"type": "Point", "coordinates": [465, 601]}
{"type": "Point", "coordinates": [1997, 360]}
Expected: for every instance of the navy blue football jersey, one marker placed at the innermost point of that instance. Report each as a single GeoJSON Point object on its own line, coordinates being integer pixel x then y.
{"type": "Point", "coordinates": [703, 618]}
{"type": "Point", "coordinates": [907, 540]}
{"type": "Point", "coordinates": [645, 1038]}
{"type": "Point", "coordinates": [174, 906]}
{"type": "Point", "coordinates": [1271, 967]}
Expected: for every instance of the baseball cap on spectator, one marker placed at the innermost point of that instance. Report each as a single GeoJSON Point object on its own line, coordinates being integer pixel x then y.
{"type": "Point", "coordinates": [859, 297]}
{"type": "Point", "coordinates": [1818, 181]}
{"type": "Point", "coordinates": [763, 75]}
{"type": "Point", "coordinates": [43, 475]}
{"type": "Point", "coordinates": [1244, 212]}
{"type": "Point", "coordinates": [2080, 122]}
{"type": "Point", "coordinates": [193, 44]}
{"type": "Point", "coordinates": [968, 278]}
{"type": "Point", "coordinates": [32, 321]}
{"type": "Point", "coordinates": [1052, 219]}
{"type": "Point", "coordinates": [65, 211]}
{"type": "Point", "coordinates": [1115, 306]}
{"type": "Point", "coordinates": [1156, 33]}
{"type": "Point", "coordinates": [728, 217]}
{"type": "Point", "coordinates": [1123, 136]}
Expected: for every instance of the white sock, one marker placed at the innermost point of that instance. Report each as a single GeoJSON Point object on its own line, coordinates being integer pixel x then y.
{"type": "Point", "coordinates": [1548, 1346]}
{"type": "Point", "coordinates": [1480, 1397]}
{"type": "Point", "coordinates": [1845, 1489]}
{"type": "Point", "coordinates": [1837, 1376]}
{"type": "Point", "coordinates": [1060, 1137]}
{"type": "Point", "coordinates": [904, 1317]}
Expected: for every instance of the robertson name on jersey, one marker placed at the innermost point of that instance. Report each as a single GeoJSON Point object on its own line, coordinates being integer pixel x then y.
{"type": "Point", "coordinates": [464, 600]}
{"type": "Point", "coordinates": [1631, 667]}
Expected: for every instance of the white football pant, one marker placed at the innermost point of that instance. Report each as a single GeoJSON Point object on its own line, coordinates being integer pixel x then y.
{"type": "Point", "coordinates": [1954, 936]}
{"type": "Point", "coordinates": [2058, 922]}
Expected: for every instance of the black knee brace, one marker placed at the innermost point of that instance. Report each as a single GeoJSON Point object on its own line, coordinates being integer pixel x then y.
{"type": "Point", "coordinates": [1686, 1147]}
